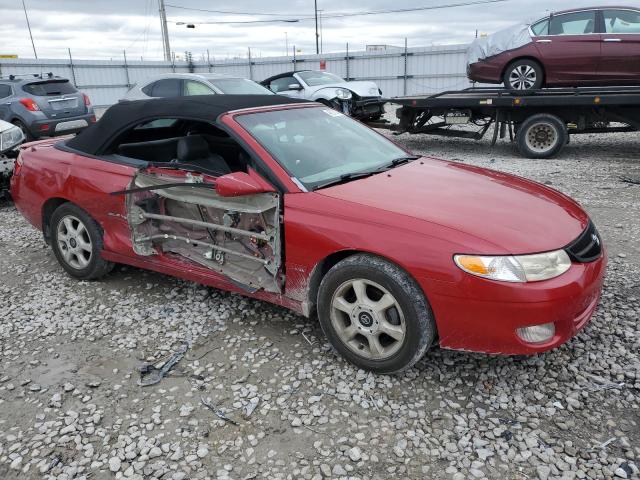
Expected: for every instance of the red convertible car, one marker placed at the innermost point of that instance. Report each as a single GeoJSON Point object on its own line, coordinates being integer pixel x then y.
{"type": "Point", "coordinates": [580, 47]}
{"type": "Point", "coordinates": [297, 204]}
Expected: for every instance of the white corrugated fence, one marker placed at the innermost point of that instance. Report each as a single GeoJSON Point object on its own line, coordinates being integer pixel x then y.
{"type": "Point", "coordinates": [410, 71]}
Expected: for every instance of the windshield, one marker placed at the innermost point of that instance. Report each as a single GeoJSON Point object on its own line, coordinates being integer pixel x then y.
{"type": "Point", "coordinates": [239, 86]}
{"type": "Point", "coordinates": [314, 79]}
{"type": "Point", "coordinates": [320, 145]}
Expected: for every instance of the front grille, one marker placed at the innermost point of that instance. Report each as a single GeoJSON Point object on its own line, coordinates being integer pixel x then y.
{"type": "Point", "coordinates": [587, 247]}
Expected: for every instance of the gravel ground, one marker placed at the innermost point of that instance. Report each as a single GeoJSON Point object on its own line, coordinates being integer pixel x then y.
{"type": "Point", "coordinates": [70, 406]}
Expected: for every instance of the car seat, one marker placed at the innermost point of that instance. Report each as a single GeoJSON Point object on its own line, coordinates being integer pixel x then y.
{"type": "Point", "coordinates": [194, 150]}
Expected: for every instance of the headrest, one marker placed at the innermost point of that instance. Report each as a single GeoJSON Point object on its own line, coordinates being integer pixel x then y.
{"type": "Point", "coordinates": [192, 148]}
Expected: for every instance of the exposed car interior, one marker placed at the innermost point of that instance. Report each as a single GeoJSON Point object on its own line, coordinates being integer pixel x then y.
{"type": "Point", "coordinates": [186, 143]}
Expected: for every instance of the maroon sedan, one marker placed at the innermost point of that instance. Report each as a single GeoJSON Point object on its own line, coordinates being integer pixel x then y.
{"type": "Point", "coordinates": [580, 47]}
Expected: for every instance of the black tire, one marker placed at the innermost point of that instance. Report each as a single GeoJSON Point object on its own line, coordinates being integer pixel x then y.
{"type": "Point", "coordinates": [541, 136]}
{"type": "Point", "coordinates": [523, 76]}
{"type": "Point", "coordinates": [28, 136]}
{"type": "Point", "coordinates": [93, 266]}
{"type": "Point", "coordinates": [414, 314]}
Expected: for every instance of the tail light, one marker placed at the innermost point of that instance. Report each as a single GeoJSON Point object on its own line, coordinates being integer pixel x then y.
{"type": "Point", "coordinates": [44, 127]}
{"type": "Point", "coordinates": [87, 102]}
{"type": "Point", "coordinates": [29, 104]}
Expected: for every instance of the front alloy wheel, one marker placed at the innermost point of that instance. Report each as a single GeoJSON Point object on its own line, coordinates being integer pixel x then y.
{"type": "Point", "coordinates": [368, 319]}
{"type": "Point", "coordinates": [375, 314]}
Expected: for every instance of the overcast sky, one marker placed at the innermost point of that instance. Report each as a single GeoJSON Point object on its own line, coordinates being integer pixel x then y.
{"type": "Point", "coordinates": [104, 28]}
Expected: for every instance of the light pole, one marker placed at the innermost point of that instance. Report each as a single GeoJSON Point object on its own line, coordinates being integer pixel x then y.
{"type": "Point", "coordinates": [315, 4]}
{"type": "Point", "coordinates": [29, 27]}
{"type": "Point", "coordinates": [165, 31]}
{"type": "Point", "coordinates": [286, 44]}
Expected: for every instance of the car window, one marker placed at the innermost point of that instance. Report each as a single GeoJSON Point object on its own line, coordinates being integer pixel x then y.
{"type": "Point", "coordinates": [159, 123]}
{"type": "Point", "coordinates": [5, 91]}
{"type": "Point", "coordinates": [239, 86]}
{"type": "Point", "coordinates": [320, 145]}
{"type": "Point", "coordinates": [168, 87]}
{"type": "Point", "coordinates": [314, 79]}
{"type": "Point", "coordinates": [541, 28]}
{"type": "Point", "coordinates": [622, 21]}
{"type": "Point", "coordinates": [578, 23]}
{"type": "Point", "coordinates": [282, 84]}
{"type": "Point", "coordinates": [49, 88]}
{"type": "Point", "coordinates": [192, 87]}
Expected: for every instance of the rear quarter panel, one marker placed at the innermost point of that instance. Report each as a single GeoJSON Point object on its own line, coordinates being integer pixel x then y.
{"type": "Point", "coordinates": [45, 173]}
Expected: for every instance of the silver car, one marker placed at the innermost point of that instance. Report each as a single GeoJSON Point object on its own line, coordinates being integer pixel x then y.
{"type": "Point", "coordinates": [187, 84]}
{"type": "Point", "coordinates": [360, 99]}
{"type": "Point", "coordinates": [44, 105]}
{"type": "Point", "coordinates": [10, 139]}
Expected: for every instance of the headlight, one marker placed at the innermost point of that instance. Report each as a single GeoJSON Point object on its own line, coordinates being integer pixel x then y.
{"type": "Point", "coordinates": [343, 94]}
{"type": "Point", "coordinates": [518, 268]}
{"type": "Point", "coordinates": [10, 138]}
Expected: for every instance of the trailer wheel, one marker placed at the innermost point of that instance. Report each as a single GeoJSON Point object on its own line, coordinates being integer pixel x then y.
{"type": "Point", "coordinates": [541, 136]}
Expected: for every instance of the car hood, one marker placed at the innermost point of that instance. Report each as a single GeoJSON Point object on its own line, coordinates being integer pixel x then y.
{"type": "Point", "coordinates": [362, 88]}
{"type": "Point", "coordinates": [515, 214]}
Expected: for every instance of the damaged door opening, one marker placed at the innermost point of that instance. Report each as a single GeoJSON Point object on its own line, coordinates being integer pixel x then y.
{"type": "Point", "coordinates": [238, 237]}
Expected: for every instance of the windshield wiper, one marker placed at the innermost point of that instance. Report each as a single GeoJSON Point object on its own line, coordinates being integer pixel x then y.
{"type": "Point", "coordinates": [347, 177]}
{"type": "Point", "coordinates": [399, 161]}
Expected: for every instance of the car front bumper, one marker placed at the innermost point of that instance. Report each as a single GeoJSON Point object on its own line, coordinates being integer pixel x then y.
{"type": "Point", "coordinates": [367, 107]}
{"type": "Point", "coordinates": [484, 316]}
{"type": "Point", "coordinates": [53, 127]}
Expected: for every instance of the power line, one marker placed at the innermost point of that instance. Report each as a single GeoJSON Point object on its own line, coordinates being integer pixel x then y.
{"type": "Point", "coordinates": [227, 12]}
{"type": "Point", "coordinates": [346, 14]}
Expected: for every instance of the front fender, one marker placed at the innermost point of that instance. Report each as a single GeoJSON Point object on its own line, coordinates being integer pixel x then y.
{"type": "Point", "coordinates": [328, 94]}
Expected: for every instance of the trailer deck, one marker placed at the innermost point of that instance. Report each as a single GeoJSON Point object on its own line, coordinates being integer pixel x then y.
{"type": "Point", "coordinates": [540, 122]}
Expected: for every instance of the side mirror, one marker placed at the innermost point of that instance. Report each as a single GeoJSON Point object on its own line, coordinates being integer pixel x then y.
{"type": "Point", "coordinates": [294, 86]}
{"type": "Point", "coordinates": [239, 184]}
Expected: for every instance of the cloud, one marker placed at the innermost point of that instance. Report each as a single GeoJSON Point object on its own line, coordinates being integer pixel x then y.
{"type": "Point", "coordinates": [97, 29]}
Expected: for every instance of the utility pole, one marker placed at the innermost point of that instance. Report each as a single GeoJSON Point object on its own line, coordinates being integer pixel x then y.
{"type": "Point", "coordinates": [29, 27]}
{"type": "Point", "coordinates": [165, 31]}
{"type": "Point", "coordinates": [315, 3]}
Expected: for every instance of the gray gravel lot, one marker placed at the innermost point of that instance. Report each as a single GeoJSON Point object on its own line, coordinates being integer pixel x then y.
{"type": "Point", "coordinates": [70, 406]}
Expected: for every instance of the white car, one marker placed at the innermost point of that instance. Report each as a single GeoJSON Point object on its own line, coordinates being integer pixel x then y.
{"type": "Point", "coordinates": [186, 84]}
{"type": "Point", "coordinates": [360, 99]}
{"type": "Point", "coordinates": [10, 139]}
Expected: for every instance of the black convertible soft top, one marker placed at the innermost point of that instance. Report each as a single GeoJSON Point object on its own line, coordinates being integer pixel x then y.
{"type": "Point", "coordinates": [127, 114]}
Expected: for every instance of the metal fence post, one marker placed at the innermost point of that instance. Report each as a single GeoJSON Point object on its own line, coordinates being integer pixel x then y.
{"type": "Point", "coordinates": [347, 60]}
{"type": "Point", "coordinates": [73, 72]}
{"type": "Point", "coordinates": [126, 68]}
{"type": "Point", "coordinates": [250, 65]}
{"type": "Point", "coordinates": [404, 80]}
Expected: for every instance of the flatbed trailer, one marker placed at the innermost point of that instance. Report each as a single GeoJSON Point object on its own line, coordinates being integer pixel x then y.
{"type": "Point", "coordinates": [540, 122]}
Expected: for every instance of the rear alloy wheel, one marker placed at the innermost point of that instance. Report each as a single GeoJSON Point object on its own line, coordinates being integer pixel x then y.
{"type": "Point", "coordinates": [541, 136]}
{"type": "Point", "coordinates": [523, 75]}
{"type": "Point", "coordinates": [374, 314]}
{"type": "Point", "coordinates": [76, 240]}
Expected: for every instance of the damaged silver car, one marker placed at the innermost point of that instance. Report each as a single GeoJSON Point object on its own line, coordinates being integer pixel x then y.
{"type": "Point", "coordinates": [359, 99]}
{"type": "Point", "coordinates": [10, 139]}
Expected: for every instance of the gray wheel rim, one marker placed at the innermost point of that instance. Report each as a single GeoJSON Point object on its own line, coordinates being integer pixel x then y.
{"type": "Point", "coordinates": [368, 319]}
{"type": "Point", "coordinates": [541, 137]}
{"type": "Point", "coordinates": [523, 77]}
{"type": "Point", "coordinates": [74, 242]}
